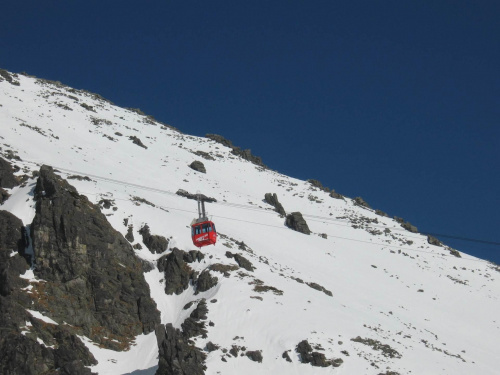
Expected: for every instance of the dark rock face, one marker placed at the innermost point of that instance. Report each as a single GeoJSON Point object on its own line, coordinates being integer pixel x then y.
{"type": "Point", "coordinates": [177, 273]}
{"type": "Point", "coordinates": [185, 194]}
{"type": "Point", "coordinates": [198, 166]}
{"type": "Point", "coordinates": [3, 196]}
{"type": "Point", "coordinates": [130, 233]}
{"type": "Point", "coordinates": [286, 356]}
{"type": "Point", "coordinates": [241, 260]}
{"type": "Point", "coordinates": [296, 222]}
{"type": "Point", "coordinates": [336, 195]}
{"type": "Point", "coordinates": [244, 154]}
{"type": "Point", "coordinates": [21, 353]}
{"type": "Point", "coordinates": [7, 178]}
{"type": "Point", "coordinates": [155, 243]}
{"type": "Point", "coordinates": [11, 240]}
{"type": "Point", "coordinates": [205, 282]}
{"type": "Point", "coordinates": [94, 281]}
{"type": "Point", "coordinates": [272, 199]}
{"type": "Point", "coordinates": [177, 355]}
{"type": "Point", "coordinates": [211, 347]}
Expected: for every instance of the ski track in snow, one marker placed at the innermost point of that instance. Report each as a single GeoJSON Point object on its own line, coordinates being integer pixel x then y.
{"type": "Point", "coordinates": [438, 311]}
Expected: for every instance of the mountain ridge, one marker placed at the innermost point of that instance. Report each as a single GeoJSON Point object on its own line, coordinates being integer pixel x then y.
{"type": "Point", "coordinates": [358, 289]}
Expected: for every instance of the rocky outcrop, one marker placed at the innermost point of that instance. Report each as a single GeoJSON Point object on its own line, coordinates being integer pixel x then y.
{"type": "Point", "coordinates": [21, 347]}
{"type": "Point", "coordinates": [205, 282]}
{"type": "Point", "coordinates": [434, 241]}
{"type": "Point", "coordinates": [296, 222]}
{"type": "Point", "coordinates": [177, 355]}
{"type": "Point", "coordinates": [406, 225]}
{"type": "Point", "coordinates": [93, 280]}
{"type": "Point", "coordinates": [241, 260]}
{"type": "Point", "coordinates": [244, 154]}
{"type": "Point", "coordinates": [137, 141]}
{"type": "Point", "coordinates": [177, 272]}
{"type": "Point", "coordinates": [319, 185]}
{"type": "Point", "coordinates": [7, 178]}
{"type": "Point", "coordinates": [272, 199]}
{"type": "Point", "coordinates": [185, 194]}
{"type": "Point", "coordinates": [9, 77]}
{"type": "Point", "coordinates": [198, 166]}
{"type": "Point", "coordinates": [155, 243]}
{"type": "Point", "coordinates": [358, 201]}
{"type": "Point", "coordinates": [316, 359]}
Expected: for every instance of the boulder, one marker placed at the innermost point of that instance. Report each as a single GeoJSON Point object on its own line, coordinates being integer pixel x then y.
{"type": "Point", "coordinates": [198, 166]}
{"type": "Point", "coordinates": [296, 222]}
{"type": "Point", "coordinates": [177, 273]}
{"type": "Point", "coordinates": [155, 243]}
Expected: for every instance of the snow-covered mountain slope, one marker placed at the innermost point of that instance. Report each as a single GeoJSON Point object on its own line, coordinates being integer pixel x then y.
{"type": "Point", "coordinates": [359, 288]}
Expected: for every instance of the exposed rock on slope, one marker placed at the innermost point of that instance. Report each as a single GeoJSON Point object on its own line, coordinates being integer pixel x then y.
{"type": "Point", "coordinates": [155, 243]}
{"type": "Point", "coordinates": [7, 178]}
{"type": "Point", "coordinates": [177, 273]}
{"type": "Point", "coordinates": [198, 166]}
{"type": "Point", "coordinates": [296, 222]}
{"type": "Point", "coordinates": [89, 268]}
{"type": "Point", "coordinates": [244, 154]}
{"type": "Point", "coordinates": [27, 344]}
{"type": "Point", "coordinates": [272, 199]}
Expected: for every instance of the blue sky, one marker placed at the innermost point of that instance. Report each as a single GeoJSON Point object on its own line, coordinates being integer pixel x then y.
{"type": "Point", "coordinates": [394, 101]}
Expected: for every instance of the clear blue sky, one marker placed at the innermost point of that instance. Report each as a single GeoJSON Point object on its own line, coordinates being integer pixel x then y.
{"type": "Point", "coordinates": [394, 101]}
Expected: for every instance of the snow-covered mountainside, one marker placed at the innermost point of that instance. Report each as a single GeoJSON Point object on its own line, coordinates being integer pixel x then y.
{"type": "Point", "coordinates": [362, 293]}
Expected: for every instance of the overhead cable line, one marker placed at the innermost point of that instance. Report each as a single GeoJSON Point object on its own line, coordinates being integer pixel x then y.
{"type": "Point", "coordinates": [322, 219]}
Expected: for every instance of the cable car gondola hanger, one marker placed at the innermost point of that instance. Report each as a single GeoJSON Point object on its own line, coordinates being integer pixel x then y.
{"type": "Point", "coordinates": [203, 231]}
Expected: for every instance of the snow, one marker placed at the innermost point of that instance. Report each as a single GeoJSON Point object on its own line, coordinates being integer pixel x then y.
{"type": "Point", "coordinates": [438, 311]}
{"type": "Point", "coordinates": [42, 317]}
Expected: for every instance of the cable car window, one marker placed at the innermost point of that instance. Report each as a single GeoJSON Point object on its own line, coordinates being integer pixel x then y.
{"type": "Point", "coordinates": [213, 226]}
{"type": "Point", "coordinates": [205, 228]}
{"type": "Point", "coordinates": [198, 229]}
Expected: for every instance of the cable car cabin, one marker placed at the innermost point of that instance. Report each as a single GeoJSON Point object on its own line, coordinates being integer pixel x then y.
{"type": "Point", "coordinates": [203, 234]}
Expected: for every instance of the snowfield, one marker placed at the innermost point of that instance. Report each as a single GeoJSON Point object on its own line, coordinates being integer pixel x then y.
{"type": "Point", "coordinates": [358, 274]}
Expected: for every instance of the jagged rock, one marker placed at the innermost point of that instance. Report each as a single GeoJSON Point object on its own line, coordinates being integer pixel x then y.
{"type": "Point", "coordinates": [11, 241]}
{"type": "Point", "coordinates": [235, 349]}
{"type": "Point", "coordinates": [320, 288]}
{"type": "Point", "coordinates": [89, 268]}
{"type": "Point", "coordinates": [296, 222]}
{"type": "Point", "coordinates": [358, 201]}
{"type": "Point", "coordinates": [455, 253]}
{"type": "Point", "coordinates": [155, 243]}
{"type": "Point", "coordinates": [314, 358]}
{"type": "Point", "coordinates": [220, 139]}
{"type": "Point", "coordinates": [4, 74]}
{"type": "Point", "coordinates": [255, 355]}
{"type": "Point", "coordinates": [241, 260]}
{"type": "Point", "coordinates": [336, 195]}
{"type": "Point", "coordinates": [381, 213]}
{"type": "Point", "coordinates": [205, 282]}
{"type": "Point", "coordinates": [130, 233]}
{"type": "Point", "coordinates": [272, 199]}
{"type": "Point", "coordinates": [177, 273]}
{"type": "Point", "coordinates": [244, 154]}
{"type": "Point", "coordinates": [198, 166]}
{"type": "Point", "coordinates": [406, 225]}
{"type": "Point", "coordinates": [192, 326]}
{"type": "Point", "coordinates": [434, 241]}
{"type": "Point", "coordinates": [286, 356]}
{"type": "Point", "coordinates": [136, 141]}
{"type": "Point", "coordinates": [176, 355]}
{"type": "Point", "coordinates": [7, 178]}
{"type": "Point", "coordinates": [204, 155]}
{"type": "Point", "coordinates": [318, 185]}
{"type": "Point", "coordinates": [3, 196]}
{"type": "Point", "coordinates": [184, 193]}
{"type": "Point", "coordinates": [211, 347]}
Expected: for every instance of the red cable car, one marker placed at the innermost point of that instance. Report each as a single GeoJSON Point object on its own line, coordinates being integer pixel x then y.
{"type": "Point", "coordinates": [203, 231]}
